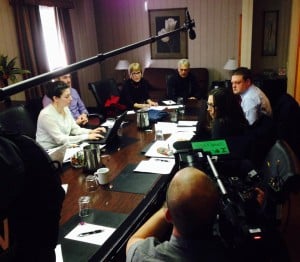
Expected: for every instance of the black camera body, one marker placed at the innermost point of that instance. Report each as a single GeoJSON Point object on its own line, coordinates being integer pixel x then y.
{"type": "Point", "coordinates": [241, 222]}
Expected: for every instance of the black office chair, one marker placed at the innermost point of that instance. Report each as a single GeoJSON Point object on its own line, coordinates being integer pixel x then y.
{"type": "Point", "coordinates": [280, 173]}
{"type": "Point", "coordinates": [281, 169]}
{"type": "Point", "coordinates": [16, 119]}
{"type": "Point", "coordinates": [286, 115]}
{"type": "Point", "coordinates": [107, 95]}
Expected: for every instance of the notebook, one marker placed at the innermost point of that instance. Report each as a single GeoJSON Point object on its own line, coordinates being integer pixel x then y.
{"type": "Point", "coordinates": [111, 132]}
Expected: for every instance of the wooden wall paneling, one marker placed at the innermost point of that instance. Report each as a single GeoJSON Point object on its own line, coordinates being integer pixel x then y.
{"type": "Point", "coordinates": [211, 48]}
{"type": "Point", "coordinates": [85, 41]}
{"type": "Point", "coordinates": [9, 41]}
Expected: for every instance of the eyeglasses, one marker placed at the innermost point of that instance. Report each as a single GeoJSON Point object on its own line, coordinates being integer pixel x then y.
{"type": "Point", "coordinates": [136, 73]}
{"type": "Point", "coordinates": [210, 104]}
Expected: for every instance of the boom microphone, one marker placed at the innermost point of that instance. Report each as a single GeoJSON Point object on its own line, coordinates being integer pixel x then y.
{"type": "Point", "coordinates": [192, 34]}
{"type": "Point", "coordinates": [190, 24]}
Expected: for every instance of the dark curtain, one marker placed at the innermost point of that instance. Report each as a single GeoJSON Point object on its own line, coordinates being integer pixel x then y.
{"type": "Point", "coordinates": [31, 43]}
{"type": "Point", "coordinates": [64, 24]}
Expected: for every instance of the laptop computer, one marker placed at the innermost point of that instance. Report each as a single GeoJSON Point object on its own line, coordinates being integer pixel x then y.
{"type": "Point", "coordinates": [111, 132]}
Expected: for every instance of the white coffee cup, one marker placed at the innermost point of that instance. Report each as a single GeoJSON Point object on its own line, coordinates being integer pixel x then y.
{"type": "Point", "coordinates": [102, 175]}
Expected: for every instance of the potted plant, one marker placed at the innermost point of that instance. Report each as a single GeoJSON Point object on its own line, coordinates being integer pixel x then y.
{"type": "Point", "coordinates": [8, 70]}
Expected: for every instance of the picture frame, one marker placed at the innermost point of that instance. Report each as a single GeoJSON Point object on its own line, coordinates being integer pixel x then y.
{"type": "Point", "coordinates": [166, 20]}
{"type": "Point", "coordinates": [270, 28]}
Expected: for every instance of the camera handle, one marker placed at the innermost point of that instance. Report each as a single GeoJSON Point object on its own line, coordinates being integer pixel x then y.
{"type": "Point", "coordinates": [215, 172]}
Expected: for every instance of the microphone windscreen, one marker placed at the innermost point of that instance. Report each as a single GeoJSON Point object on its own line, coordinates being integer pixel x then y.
{"type": "Point", "coordinates": [192, 34]}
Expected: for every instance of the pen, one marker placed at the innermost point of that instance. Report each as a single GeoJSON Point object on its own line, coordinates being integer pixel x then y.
{"type": "Point", "coordinates": [90, 233]}
{"type": "Point", "coordinates": [162, 160]}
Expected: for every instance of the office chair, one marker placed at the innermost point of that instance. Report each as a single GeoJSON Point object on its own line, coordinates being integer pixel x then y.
{"type": "Point", "coordinates": [281, 169]}
{"type": "Point", "coordinates": [16, 119]}
{"type": "Point", "coordinates": [107, 96]}
{"type": "Point", "coordinates": [280, 176]}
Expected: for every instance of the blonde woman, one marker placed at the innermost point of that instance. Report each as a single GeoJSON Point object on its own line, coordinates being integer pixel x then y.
{"type": "Point", "coordinates": [135, 89]}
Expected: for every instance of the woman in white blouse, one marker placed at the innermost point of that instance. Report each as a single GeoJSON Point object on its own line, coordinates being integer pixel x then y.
{"type": "Point", "coordinates": [56, 126]}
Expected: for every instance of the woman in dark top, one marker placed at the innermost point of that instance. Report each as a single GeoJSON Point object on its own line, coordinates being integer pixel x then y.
{"type": "Point", "coordinates": [225, 117]}
{"type": "Point", "coordinates": [135, 89]}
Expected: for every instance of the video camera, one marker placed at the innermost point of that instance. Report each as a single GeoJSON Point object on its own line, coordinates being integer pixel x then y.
{"type": "Point", "coordinates": [242, 224]}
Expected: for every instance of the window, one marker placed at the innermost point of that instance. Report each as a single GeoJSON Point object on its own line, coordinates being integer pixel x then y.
{"type": "Point", "coordinates": [55, 49]}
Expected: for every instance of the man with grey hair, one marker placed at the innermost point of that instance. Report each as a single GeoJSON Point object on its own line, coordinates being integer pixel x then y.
{"type": "Point", "coordinates": [191, 206]}
{"type": "Point", "coordinates": [183, 83]}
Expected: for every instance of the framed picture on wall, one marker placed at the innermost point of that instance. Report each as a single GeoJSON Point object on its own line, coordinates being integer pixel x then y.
{"type": "Point", "coordinates": [162, 21]}
{"type": "Point", "coordinates": [270, 28]}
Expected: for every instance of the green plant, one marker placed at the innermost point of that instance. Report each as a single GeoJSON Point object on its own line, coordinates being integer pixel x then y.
{"type": "Point", "coordinates": [8, 71]}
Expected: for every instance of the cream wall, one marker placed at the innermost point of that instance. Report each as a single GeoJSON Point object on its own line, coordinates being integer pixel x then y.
{"type": "Point", "coordinates": [120, 23]}
{"type": "Point", "coordinates": [96, 30]}
{"type": "Point", "coordinates": [8, 40]}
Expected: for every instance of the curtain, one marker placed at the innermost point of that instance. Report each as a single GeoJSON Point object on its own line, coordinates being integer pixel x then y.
{"type": "Point", "coordinates": [31, 43]}
{"type": "Point", "coordinates": [64, 24]}
{"type": "Point", "coordinates": [55, 3]}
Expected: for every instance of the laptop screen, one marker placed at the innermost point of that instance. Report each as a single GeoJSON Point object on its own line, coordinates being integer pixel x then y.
{"type": "Point", "coordinates": [111, 133]}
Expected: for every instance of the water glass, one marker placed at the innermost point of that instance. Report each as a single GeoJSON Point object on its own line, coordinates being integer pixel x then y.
{"type": "Point", "coordinates": [174, 116]}
{"type": "Point", "coordinates": [84, 206]}
{"type": "Point", "coordinates": [91, 183]}
{"type": "Point", "coordinates": [159, 134]}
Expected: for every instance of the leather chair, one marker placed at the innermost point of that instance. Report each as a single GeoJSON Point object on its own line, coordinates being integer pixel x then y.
{"type": "Point", "coordinates": [281, 169]}
{"type": "Point", "coordinates": [104, 91]}
{"type": "Point", "coordinates": [16, 119]}
{"type": "Point", "coordinates": [286, 115]}
{"type": "Point", "coordinates": [280, 175]}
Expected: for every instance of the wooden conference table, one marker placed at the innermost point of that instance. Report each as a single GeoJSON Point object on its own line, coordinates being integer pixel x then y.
{"type": "Point", "coordinates": [124, 210]}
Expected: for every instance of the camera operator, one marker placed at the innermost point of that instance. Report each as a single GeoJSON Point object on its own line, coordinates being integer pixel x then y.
{"type": "Point", "coordinates": [191, 206]}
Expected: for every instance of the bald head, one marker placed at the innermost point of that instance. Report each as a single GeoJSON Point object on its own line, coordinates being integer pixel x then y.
{"type": "Point", "coordinates": [192, 199]}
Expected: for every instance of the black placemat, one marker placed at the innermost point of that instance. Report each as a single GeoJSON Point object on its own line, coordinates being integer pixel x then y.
{"type": "Point", "coordinates": [78, 251]}
{"type": "Point", "coordinates": [133, 182]}
{"type": "Point", "coordinates": [120, 143]}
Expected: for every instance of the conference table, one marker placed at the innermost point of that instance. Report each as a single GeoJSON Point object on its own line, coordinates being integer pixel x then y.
{"type": "Point", "coordinates": [125, 203]}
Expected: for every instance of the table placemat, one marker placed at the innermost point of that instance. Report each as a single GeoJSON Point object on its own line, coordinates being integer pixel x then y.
{"type": "Point", "coordinates": [80, 251]}
{"type": "Point", "coordinates": [121, 142]}
{"type": "Point", "coordinates": [133, 182]}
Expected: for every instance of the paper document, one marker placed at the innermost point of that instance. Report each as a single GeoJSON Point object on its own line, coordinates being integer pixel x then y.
{"type": "Point", "coordinates": [186, 129]}
{"type": "Point", "coordinates": [187, 123]}
{"type": "Point", "coordinates": [156, 165]}
{"type": "Point", "coordinates": [168, 102]}
{"type": "Point", "coordinates": [173, 106]}
{"type": "Point", "coordinates": [92, 238]}
{"type": "Point", "coordinates": [65, 187]}
{"type": "Point", "coordinates": [109, 122]}
{"type": "Point", "coordinates": [160, 148]}
{"type": "Point", "coordinates": [160, 108]}
{"type": "Point", "coordinates": [166, 127]}
{"type": "Point", "coordinates": [179, 136]}
{"type": "Point", "coordinates": [58, 254]}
